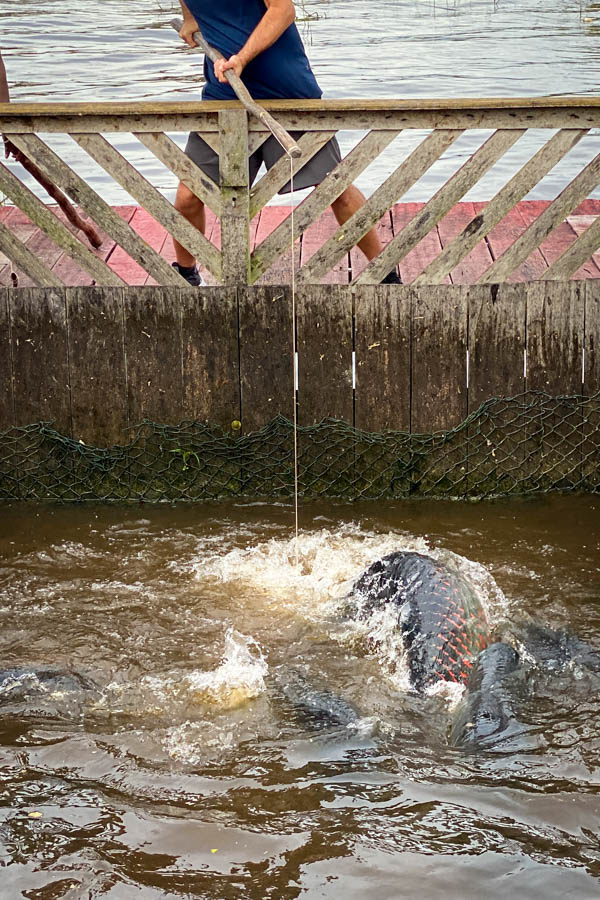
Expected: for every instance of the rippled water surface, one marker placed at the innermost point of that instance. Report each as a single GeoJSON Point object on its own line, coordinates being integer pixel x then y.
{"type": "Point", "coordinates": [113, 49]}
{"type": "Point", "coordinates": [117, 50]}
{"type": "Point", "coordinates": [171, 764]}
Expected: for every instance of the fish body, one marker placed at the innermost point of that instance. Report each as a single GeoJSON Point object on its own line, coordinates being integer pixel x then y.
{"type": "Point", "coordinates": [487, 710]}
{"type": "Point", "coordinates": [320, 707]}
{"type": "Point", "coordinates": [556, 651]}
{"type": "Point", "coordinates": [21, 682]}
{"type": "Point", "coordinates": [43, 692]}
{"type": "Point", "coordinates": [443, 623]}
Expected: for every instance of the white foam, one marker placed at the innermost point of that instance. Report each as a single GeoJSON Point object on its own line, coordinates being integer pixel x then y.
{"type": "Point", "coordinates": [329, 561]}
{"type": "Point", "coordinates": [196, 742]}
{"type": "Point", "coordinates": [450, 691]}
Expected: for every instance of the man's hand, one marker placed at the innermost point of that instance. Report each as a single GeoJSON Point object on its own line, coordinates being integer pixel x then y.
{"type": "Point", "coordinates": [222, 65]}
{"type": "Point", "coordinates": [189, 26]}
{"type": "Point", "coordinates": [187, 32]}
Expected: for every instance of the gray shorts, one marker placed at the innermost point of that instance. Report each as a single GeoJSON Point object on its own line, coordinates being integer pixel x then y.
{"type": "Point", "coordinates": [309, 175]}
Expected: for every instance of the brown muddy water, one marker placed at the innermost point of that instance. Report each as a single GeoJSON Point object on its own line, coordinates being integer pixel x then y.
{"type": "Point", "coordinates": [179, 770]}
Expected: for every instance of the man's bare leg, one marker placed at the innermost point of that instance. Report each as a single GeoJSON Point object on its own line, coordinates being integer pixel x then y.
{"type": "Point", "coordinates": [344, 208]}
{"type": "Point", "coordinates": [349, 202]}
{"type": "Point", "coordinates": [192, 209]}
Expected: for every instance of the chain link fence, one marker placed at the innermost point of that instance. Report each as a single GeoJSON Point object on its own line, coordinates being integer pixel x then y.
{"type": "Point", "coordinates": [529, 444]}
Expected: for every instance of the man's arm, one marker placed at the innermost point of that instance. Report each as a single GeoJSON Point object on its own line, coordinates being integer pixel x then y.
{"type": "Point", "coordinates": [189, 26]}
{"type": "Point", "coordinates": [4, 97]}
{"type": "Point", "coordinates": [279, 15]}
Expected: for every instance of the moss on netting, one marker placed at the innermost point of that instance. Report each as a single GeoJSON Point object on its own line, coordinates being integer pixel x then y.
{"type": "Point", "coordinates": [529, 444]}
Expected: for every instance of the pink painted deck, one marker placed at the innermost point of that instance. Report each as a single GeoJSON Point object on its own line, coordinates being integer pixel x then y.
{"type": "Point", "coordinates": [468, 272]}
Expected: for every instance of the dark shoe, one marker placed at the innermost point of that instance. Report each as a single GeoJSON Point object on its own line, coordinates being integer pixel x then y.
{"type": "Point", "coordinates": [392, 278]}
{"type": "Point", "coordinates": [191, 274]}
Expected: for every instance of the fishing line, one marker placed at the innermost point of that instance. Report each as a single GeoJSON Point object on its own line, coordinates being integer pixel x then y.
{"type": "Point", "coordinates": [294, 365]}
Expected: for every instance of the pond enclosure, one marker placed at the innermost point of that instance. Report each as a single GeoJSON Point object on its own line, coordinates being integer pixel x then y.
{"type": "Point", "coordinates": [400, 390]}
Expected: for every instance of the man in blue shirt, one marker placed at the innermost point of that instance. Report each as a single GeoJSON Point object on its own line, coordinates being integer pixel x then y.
{"type": "Point", "coordinates": [261, 43]}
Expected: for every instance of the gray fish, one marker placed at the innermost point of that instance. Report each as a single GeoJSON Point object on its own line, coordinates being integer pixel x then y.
{"type": "Point", "coordinates": [442, 621]}
{"type": "Point", "coordinates": [486, 712]}
{"type": "Point", "coordinates": [44, 691]}
{"type": "Point", "coordinates": [322, 708]}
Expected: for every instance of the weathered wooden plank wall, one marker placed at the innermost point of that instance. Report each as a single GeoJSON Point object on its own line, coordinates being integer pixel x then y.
{"type": "Point", "coordinates": [97, 361]}
{"type": "Point", "coordinates": [265, 347]}
{"type": "Point", "coordinates": [382, 345]}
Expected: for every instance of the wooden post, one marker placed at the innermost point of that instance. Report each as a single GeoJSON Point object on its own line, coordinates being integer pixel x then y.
{"type": "Point", "coordinates": [235, 196]}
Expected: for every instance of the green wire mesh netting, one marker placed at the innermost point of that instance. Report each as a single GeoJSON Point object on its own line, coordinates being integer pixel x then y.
{"type": "Point", "coordinates": [532, 443]}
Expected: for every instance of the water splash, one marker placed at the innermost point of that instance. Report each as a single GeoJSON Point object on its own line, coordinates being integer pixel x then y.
{"type": "Point", "coordinates": [329, 561]}
{"type": "Point", "coordinates": [199, 742]}
{"type": "Point", "coordinates": [240, 677]}
{"type": "Point", "coordinates": [450, 691]}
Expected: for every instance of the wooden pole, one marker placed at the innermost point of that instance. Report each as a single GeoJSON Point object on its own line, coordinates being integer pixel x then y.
{"type": "Point", "coordinates": [4, 98]}
{"type": "Point", "coordinates": [67, 207]}
{"type": "Point", "coordinates": [69, 210]}
{"type": "Point", "coordinates": [243, 94]}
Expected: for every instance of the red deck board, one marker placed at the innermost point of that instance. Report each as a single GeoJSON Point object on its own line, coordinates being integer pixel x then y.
{"type": "Point", "coordinates": [426, 250]}
{"type": "Point", "coordinates": [472, 267]}
{"type": "Point", "coordinates": [152, 233]}
{"type": "Point", "coordinates": [503, 235]}
{"type": "Point", "coordinates": [69, 271]}
{"type": "Point", "coordinates": [469, 270]}
{"type": "Point", "coordinates": [45, 250]}
{"type": "Point", "coordinates": [281, 270]}
{"type": "Point", "coordinates": [23, 229]}
{"type": "Point", "coordinates": [589, 207]}
{"type": "Point", "coordinates": [65, 268]}
{"type": "Point", "coordinates": [35, 241]}
{"type": "Point", "coordinates": [557, 242]}
{"type": "Point", "coordinates": [314, 237]}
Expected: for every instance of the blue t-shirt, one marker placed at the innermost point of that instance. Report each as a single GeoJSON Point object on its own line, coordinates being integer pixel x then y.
{"type": "Point", "coordinates": [280, 72]}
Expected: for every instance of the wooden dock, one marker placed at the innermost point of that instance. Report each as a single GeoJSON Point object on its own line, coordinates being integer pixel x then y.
{"type": "Point", "coordinates": [446, 240]}
{"type": "Point", "coordinates": [270, 217]}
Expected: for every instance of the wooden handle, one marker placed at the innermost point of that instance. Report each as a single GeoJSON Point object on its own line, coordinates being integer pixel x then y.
{"type": "Point", "coordinates": [90, 231]}
{"type": "Point", "coordinates": [244, 96]}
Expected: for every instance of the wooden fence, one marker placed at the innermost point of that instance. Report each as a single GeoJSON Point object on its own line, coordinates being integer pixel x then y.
{"type": "Point", "coordinates": [97, 361]}
{"type": "Point", "coordinates": [226, 126]}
